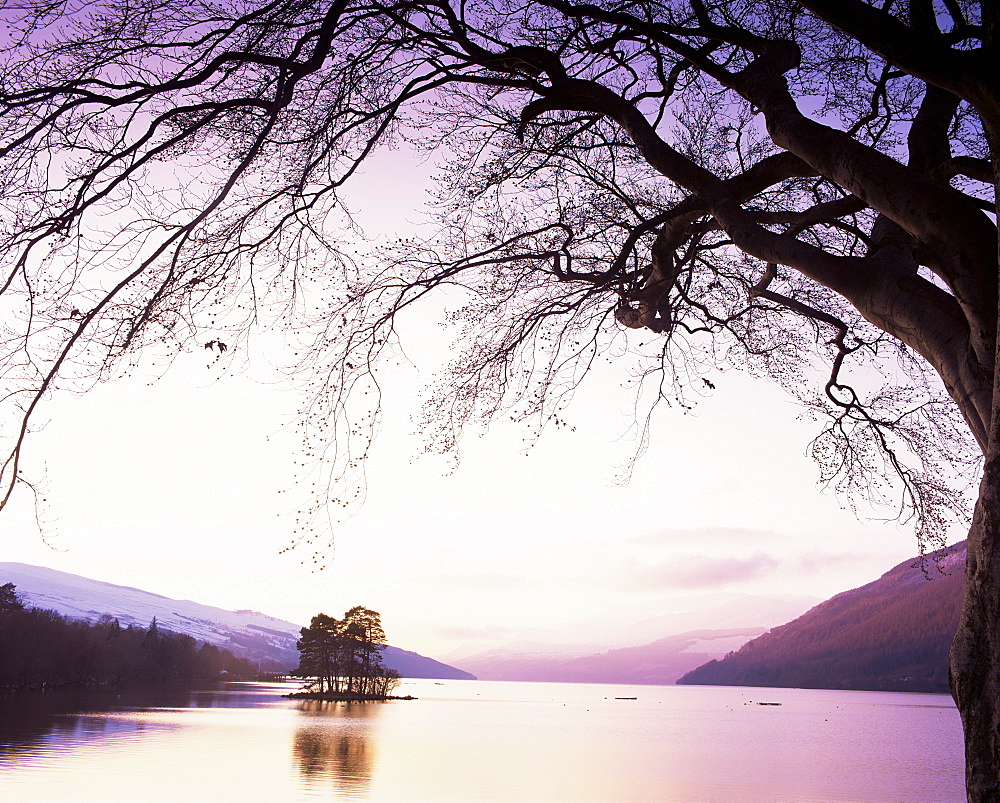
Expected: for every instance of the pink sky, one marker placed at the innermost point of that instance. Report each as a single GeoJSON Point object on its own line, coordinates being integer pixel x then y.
{"type": "Point", "coordinates": [174, 487]}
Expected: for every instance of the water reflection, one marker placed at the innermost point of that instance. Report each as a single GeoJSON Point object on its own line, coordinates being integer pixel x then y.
{"type": "Point", "coordinates": [33, 719]}
{"type": "Point", "coordinates": [73, 716]}
{"type": "Point", "coordinates": [333, 745]}
{"type": "Point", "coordinates": [469, 740]}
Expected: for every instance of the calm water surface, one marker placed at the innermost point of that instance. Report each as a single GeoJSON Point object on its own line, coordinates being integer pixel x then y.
{"type": "Point", "coordinates": [483, 741]}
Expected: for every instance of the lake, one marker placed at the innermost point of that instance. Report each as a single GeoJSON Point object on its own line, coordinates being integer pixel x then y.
{"type": "Point", "coordinates": [482, 741]}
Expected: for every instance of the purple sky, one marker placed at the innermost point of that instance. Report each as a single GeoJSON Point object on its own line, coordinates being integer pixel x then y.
{"type": "Point", "coordinates": [174, 488]}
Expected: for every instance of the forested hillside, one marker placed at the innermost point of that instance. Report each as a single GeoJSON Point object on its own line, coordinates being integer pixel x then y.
{"type": "Point", "coordinates": [261, 639]}
{"type": "Point", "coordinates": [891, 635]}
{"type": "Point", "coordinates": [42, 649]}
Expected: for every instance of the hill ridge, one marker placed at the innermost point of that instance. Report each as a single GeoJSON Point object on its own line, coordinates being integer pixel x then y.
{"type": "Point", "coordinates": [246, 633]}
{"type": "Point", "coordinates": [892, 634]}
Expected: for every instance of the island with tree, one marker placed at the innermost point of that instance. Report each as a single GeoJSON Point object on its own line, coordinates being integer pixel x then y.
{"type": "Point", "coordinates": [340, 660]}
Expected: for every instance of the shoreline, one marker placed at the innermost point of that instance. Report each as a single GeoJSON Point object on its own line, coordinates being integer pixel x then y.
{"type": "Point", "coordinates": [343, 697]}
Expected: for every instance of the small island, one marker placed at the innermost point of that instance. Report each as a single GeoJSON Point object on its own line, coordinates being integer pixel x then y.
{"type": "Point", "coordinates": [340, 660]}
{"type": "Point", "coordinates": [344, 697]}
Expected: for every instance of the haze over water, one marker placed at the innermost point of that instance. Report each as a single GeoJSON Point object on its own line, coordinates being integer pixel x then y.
{"type": "Point", "coordinates": [486, 741]}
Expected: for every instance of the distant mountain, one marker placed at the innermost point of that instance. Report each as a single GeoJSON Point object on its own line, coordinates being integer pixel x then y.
{"type": "Point", "coordinates": [413, 665]}
{"type": "Point", "coordinates": [630, 626]}
{"type": "Point", "coordinates": [248, 634]}
{"type": "Point", "coordinates": [720, 611]}
{"type": "Point", "coordinates": [630, 646]}
{"type": "Point", "coordinates": [660, 662]}
{"type": "Point", "coordinates": [893, 634]}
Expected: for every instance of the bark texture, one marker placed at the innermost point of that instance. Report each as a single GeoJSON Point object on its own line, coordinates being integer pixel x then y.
{"type": "Point", "coordinates": [975, 653]}
{"type": "Point", "coordinates": [975, 668]}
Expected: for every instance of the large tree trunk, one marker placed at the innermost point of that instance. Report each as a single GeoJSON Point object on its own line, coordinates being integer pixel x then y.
{"type": "Point", "coordinates": [975, 668]}
{"type": "Point", "coordinates": [975, 653]}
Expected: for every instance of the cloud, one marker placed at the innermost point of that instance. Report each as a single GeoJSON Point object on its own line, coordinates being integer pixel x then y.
{"type": "Point", "coordinates": [475, 582]}
{"type": "Point", "coordinates": [694, 572]}
{"type": "Point", "coordinates": [491, 633]}
{"type": "Point", "coordinates": [814, 562]}
{"type": "Point", "coordinates": [714, 535]}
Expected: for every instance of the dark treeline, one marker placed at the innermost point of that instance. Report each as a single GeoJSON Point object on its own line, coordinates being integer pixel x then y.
{"type": "Point", "coordinates": [43, 649]}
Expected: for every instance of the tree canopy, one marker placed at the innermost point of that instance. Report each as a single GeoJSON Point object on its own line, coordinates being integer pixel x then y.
{"type": "Point", "coordinates": [343, 657]}
{"type": "Point", "coordinates": [743, 179]}
{"type": "Point", "coordinates": [10, 600]}
{"type": "Point", "coordinates": [790, 186]}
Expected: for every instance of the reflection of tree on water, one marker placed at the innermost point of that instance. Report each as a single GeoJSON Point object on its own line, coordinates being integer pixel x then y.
{"type": "Point", "coordinates": [333, 742]}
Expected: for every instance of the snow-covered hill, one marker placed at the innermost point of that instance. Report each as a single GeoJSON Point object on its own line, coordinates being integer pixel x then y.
{"type": "Point", "coordinates": [249, 634]}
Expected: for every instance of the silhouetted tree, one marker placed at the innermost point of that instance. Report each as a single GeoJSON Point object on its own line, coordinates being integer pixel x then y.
{"type": "Point", "coordinates": [363, 628]}
{"type": "Point", "coordinates": [323, 652]}
{"type": "Point", "coordinates": [780, 184]}
{"type": "Point", "coordinates": [343, 656]}
{"type": "Point", "coordinates": [384, 682]}
{"type": "Point", "coordinates": [10, 602]}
